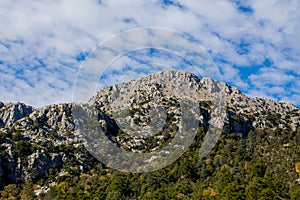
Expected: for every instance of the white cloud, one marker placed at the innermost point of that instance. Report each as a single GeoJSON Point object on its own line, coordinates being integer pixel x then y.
{"type": "Point", "coordinates": [232, 75]}
{"type": "Point", "coordinates": [294, 99]}
{"type": "Point", "coordinates": [271, 76]}
{"type": "Point", "coordinates": [43, 38]}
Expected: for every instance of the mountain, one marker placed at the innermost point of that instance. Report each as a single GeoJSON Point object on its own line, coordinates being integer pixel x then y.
{"type": "Point", "coordinates": [44, 154]}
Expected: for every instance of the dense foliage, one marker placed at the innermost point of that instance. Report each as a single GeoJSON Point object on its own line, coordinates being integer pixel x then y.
{"type": "Point", "coordinates": [264, 164]}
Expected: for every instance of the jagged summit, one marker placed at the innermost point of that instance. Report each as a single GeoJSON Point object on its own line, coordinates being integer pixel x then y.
{"type": "Point", "coordinates": [236, 101]}
{"type": "Point", "coordinates": [165, 78]}
{"type": "Point", "coordinates": [179, 81]}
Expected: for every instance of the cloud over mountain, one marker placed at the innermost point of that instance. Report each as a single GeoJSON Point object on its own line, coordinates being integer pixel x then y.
{"type": "Point", "coordinates": [254, 43]}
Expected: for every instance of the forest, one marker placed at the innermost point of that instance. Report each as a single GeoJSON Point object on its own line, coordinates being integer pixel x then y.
{"type": "Point", "coordinates": [264, 164]}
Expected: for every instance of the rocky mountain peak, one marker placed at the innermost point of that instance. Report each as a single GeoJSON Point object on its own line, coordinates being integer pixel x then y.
{"type": "Point", "coordinates": [44, 138]}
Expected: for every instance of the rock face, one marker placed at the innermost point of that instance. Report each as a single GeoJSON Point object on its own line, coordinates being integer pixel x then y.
{"type": "Point", "coordinates": [252, 112]}
{"type": "Point", "coordinates": [163, 94]}
{"type": "Point", "coordinates": [261, 113]}
{"type": "Point", "coordinates": [10, 113]}
{"type": "Point", "coordinates": [43, 141]}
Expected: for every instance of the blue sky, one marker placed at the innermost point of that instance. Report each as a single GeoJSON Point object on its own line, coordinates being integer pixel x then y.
{"type": "Point", "coordinates": [255, 44]}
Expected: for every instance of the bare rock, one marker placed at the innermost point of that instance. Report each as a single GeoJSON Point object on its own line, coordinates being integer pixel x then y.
{"type": "Point", "coordinates": [10, 113]}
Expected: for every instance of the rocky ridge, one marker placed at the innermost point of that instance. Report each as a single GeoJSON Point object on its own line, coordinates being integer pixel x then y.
{"type": "Point", "coordinates": [37, 142]}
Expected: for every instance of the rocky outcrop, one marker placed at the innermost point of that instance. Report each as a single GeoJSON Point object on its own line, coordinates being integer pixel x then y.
{"type": "Point", "coordinates": [41, 140]}
{"type": "Point", "coordinates": [243, 113]}
{"type": "Point", "coordinates": [262, 112]}
{"type": "Point", "coordinates": [10, 113]}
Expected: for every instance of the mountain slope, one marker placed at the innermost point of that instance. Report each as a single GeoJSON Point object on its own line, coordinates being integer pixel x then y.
{"type": "Point", "coordinates": [41, 146]}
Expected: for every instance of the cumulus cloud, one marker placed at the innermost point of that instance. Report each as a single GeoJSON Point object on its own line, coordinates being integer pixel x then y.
{"type": "Point", "coordinates": [254, 43]}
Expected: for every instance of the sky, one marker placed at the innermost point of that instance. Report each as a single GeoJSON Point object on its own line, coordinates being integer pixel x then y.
{"type": "Point", "coordinates": [254, 44]}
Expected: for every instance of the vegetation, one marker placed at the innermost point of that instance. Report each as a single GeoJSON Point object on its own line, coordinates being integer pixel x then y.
{"type": "Point", "coordinates": [258, 166]}
{"type": "Point", "coordinates": [246, 163]}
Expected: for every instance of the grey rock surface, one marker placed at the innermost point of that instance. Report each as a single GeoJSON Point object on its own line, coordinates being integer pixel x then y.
{"type": "Point", "coordinates": [10, 113]}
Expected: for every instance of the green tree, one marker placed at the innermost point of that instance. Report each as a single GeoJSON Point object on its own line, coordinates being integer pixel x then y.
{"type": "Point", "coordinates": [295, 193]}
{"type": "Point", "coordinates": [258, 169]}
{"type": "Point", "coordinates": [254, 188]}
{"type": "Point", "coordinates": [22, 148]}
{"type": "Point", "coordinates": [234, 191]}
{"type": "Point", "coordinates": [28, 192]}
{"type": "Point", "coordinates": [17, 136]}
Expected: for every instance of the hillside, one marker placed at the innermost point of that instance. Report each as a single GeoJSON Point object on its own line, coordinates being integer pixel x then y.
{"type": "Point", "coordinates": [257, 155]}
